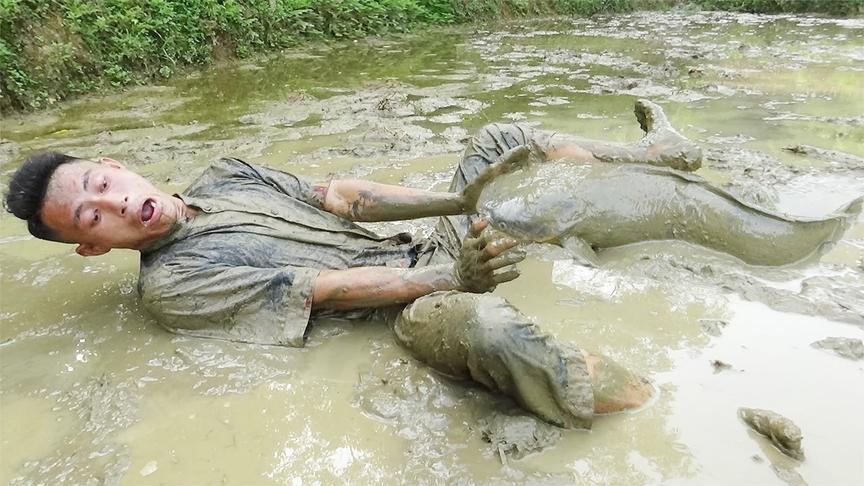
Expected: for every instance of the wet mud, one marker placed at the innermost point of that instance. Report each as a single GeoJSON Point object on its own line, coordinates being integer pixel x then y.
{"type": "Point", "coordinates": [94, 391]}
{"type": "Point", "coordinates": [439, 417]}
{"type": "Point", "coordinates": [831, 156]}
{"type": "Point", "coordinates": [517, 436]}
{"type": "Point", "coordinates": [848, 348]}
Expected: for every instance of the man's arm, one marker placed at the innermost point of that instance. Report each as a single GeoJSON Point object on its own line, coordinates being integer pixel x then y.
{"type": "Point", "coordinates": [363, 287]}
{"type": "Point", "coordinates": [359, 200]}
{"type": "Point", "coordinates": [476, 270]}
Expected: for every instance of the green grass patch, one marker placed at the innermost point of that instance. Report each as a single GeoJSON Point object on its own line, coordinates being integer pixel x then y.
{"type": "Point", "coordinates": [51, 50]}
{"type": "Point", "coordinates": [831, 7]}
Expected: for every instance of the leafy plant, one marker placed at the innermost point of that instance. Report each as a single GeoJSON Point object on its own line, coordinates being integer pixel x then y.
{"type": "Point", "coordinates": [55, 49]}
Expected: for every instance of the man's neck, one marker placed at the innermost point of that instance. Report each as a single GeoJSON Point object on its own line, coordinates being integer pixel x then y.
{"type": "Point", "coordinates": [177, 211]}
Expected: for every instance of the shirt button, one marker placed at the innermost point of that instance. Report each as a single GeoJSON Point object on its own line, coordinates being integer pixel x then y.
{"type": "Point", "coordinates": [274, 212]}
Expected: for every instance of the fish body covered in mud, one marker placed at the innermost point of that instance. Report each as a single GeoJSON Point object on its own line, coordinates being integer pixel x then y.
{"type": "Point", "coordinates": [586, 207]}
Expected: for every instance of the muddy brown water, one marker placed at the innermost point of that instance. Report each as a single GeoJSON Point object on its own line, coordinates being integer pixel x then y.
{"type": "Point", "coordinates": [94, 392]}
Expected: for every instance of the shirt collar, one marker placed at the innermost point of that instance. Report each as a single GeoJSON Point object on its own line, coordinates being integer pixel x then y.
{"type": "Point", "coordinates": [177, 231]}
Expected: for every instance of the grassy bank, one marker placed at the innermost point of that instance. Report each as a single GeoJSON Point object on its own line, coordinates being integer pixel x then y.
{"type": "Point", "coordinates": [830, 7]}
{"type": "Point", "coordinates": [52, 50]}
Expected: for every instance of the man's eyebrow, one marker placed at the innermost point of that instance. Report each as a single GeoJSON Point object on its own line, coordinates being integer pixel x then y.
{"type": "Point", "coordinates": [85, 180]}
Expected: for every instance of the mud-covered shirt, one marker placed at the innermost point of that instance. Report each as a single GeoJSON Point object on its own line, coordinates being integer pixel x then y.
{"type": "Point", "coordinates": [243, 269]}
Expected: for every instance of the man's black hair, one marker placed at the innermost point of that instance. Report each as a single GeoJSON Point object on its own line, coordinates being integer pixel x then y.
{"type": "Point", "coordinates": [27, 191]}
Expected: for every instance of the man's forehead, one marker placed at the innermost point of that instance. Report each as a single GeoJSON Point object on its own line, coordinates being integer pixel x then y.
{"type": "Point", "coordinates": [67, 180]}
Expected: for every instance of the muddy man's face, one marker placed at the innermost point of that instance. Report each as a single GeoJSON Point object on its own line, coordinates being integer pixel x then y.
{"type": "Point", "coordinates": [103, 205]}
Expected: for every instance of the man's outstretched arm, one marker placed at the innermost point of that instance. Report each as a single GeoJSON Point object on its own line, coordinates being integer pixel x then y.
{"type": "Point", "coordinates": [359, 200]}
{"type": "Point", "coordinates": [480, 267]}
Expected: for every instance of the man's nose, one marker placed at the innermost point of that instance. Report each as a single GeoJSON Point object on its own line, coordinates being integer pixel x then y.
{"type": "Point", "coordinates": [114, 203]}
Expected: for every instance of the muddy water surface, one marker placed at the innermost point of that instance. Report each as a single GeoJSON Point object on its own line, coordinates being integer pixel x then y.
{"type": "Point", "coordinates": [94, 391]}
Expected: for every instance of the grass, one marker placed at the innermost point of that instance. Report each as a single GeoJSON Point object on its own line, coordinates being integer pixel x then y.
{"type": "Point", "coordinates": [51, 50]}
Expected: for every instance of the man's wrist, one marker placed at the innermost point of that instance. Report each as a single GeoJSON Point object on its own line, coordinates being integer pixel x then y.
{"type": "Point", "coordinates": [465, 206]}
{"type": "Point", "coordinates": [447, 278]}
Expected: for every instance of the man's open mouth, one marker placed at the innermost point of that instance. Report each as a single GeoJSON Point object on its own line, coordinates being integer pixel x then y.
{"type": "Point", "coordinates": [147, 210]}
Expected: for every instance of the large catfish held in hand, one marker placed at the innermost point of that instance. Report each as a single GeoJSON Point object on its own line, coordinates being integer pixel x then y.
{"type": "Point", "coordinates": [590, 206]}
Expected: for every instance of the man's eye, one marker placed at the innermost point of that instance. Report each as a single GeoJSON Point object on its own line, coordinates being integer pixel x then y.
{"type": "Point", "coordinates": [104, 185]}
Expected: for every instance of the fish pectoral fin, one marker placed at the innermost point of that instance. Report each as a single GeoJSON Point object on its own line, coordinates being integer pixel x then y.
{"type": "Point", "coordinates": [666, 171]}
{"type": "Point", "coordinates": [580, 250]}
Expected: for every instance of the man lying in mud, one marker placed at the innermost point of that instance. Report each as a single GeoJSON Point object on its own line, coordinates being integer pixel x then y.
{"type": "Point", "coordinates": [252, 254]}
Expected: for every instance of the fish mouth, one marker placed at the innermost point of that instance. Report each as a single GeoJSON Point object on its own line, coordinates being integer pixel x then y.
{"type": "Point", "coordinates": [148, 210]}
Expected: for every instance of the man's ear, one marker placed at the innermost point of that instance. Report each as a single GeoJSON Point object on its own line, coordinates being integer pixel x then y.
{"type": "Point", "coordinates": [111, 162]}
{"type": "Point", "coordinates": [91, 250]}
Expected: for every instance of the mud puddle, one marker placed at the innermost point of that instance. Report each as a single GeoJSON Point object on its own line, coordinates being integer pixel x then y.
{"type": "Point", "coordinates": [93, 391]}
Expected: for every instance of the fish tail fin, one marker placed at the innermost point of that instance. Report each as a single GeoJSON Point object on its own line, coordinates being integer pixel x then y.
{"type": "Point", "coordinates": [852, 210]}
{"type": "Point", "coordinates": [581, 251]}
{"type": "Point", "coordinates": [844, 217]}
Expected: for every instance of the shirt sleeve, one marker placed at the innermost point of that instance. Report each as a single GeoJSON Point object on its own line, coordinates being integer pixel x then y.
{"type": "Point", "coordinates": [235, 303]}
{"type": "Point", "coordinates": [297, 187]}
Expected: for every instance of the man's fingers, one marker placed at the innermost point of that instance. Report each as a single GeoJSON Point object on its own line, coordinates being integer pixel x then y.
{"type": "Point", "coordinates": [514, 155]}
{"type": "Point", "coordinates": [497, 247]}
{"type": "Point", "coordinates": [478, 243]}
{"type": "Point", "coordinates": [477, 227]}
{"type": "Point", "coordinates": [505, 260]}
{"type": "Point", "coordinates": [505, 276]}
{"type": "Point", "coordinates": [506, 162]}
{"type": "Point", "coordinates": [470, 244]}
{"type": "Point", "coordinates": [537, 150]}
{"type": "Point", "coordinates": [475, 240]}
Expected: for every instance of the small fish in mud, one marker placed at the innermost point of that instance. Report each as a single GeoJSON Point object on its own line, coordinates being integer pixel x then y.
{"type": "Point", "coordinates": [782, 432]}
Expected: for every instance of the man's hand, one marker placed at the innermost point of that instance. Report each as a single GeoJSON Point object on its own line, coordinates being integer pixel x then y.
{"type": "Point", "coordinates": [481, 256]}
{"type": "Point", "coordinates": [478, 269]}
{"type": "Point", "coordinates": [508, 161]}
